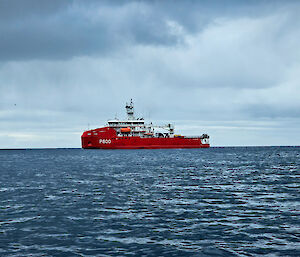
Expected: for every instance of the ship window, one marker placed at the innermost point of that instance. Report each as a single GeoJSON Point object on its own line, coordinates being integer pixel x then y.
{"type": "Point", "coordinates": [89, 133]}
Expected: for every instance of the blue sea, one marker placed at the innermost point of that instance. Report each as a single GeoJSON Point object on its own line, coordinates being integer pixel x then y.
{"type": "Point", "coordinates": [239, 201]}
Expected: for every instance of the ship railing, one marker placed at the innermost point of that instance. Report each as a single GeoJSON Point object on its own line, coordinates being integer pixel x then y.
{"type": "Point", "coordinates": [201, 137]}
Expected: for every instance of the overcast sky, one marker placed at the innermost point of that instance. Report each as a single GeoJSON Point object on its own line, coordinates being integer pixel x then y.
{"type": "Point", "coordinates": [227, 68]}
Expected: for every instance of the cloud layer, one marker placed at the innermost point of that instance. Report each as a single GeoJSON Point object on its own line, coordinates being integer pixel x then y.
{"type": "Point", "coordinates": [224, 68]}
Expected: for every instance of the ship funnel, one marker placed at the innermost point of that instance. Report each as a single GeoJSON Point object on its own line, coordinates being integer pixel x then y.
{"type": "Point", "coordinates": [130, 110]}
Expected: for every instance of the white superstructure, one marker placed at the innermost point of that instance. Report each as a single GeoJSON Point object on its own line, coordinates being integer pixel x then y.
{"type": "Point", "coordinates": [137, 126]}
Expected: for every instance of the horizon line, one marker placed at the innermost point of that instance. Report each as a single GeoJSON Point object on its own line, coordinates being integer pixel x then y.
{"type": "Point", "coordinates": [70, 148]}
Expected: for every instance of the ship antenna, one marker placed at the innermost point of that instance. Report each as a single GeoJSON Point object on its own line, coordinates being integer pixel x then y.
{"type": "Point", "coordinates": [130, 110]}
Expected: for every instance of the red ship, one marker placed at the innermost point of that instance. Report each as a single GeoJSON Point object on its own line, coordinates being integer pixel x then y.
{"type": "Point", "coordinates": [134, 133]}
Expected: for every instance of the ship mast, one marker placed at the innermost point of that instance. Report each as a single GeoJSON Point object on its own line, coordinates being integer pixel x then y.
{"type": "Point", "coordinates": [130, 110]}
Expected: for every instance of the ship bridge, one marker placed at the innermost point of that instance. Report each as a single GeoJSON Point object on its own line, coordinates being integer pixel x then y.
{"type": "Point", "coordinates": [125, 123]}
{"type": "Point", "coordinates": [129, 127]}
{"type": "Point", "coordinates": [136, 126]}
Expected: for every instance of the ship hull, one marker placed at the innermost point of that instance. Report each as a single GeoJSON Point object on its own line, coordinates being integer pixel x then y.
{"type": "Point", "coordinates": [111, 141]}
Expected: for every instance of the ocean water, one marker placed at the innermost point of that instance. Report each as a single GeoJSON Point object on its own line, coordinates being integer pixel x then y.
{"type": "Point", "coordinates": [242, 201]}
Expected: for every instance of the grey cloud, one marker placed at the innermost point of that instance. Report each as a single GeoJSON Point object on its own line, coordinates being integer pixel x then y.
{"type": "Point", "coordinates": [41, 29]}
{"type": "Point", "coordinates": [77, 30]}
{"type": "Point", "coordinates": [271, 111]}
{"type": "Point", "coordinates": [12, 10]}
{"type": "Point", "coordinates": [69, 63]}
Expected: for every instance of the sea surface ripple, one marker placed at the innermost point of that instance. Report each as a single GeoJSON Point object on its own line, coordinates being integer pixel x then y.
{"type": "Point", "coordinates": [240, 201]}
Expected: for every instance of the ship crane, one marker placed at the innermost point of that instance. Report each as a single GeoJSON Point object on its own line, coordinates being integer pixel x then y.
{"type": "Point", "coordinates": [169, 127]}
